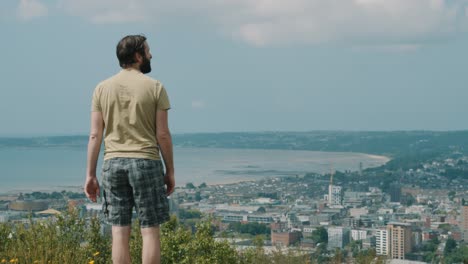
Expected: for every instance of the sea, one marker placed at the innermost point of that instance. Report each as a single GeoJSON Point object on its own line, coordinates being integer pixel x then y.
{"type": "Point", "coordinates": [63, 168]}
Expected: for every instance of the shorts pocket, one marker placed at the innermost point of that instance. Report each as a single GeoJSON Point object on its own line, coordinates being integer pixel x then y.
{"type": "Point", "coordinates": [106, 165]}
{"type": "Point", "coordinates": [146, 164]}
{"type": "Point", "coordinates": [105, 204]}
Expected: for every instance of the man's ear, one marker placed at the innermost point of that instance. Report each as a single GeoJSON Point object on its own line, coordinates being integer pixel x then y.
{"type": "Point", "coordinates": [138, 57]}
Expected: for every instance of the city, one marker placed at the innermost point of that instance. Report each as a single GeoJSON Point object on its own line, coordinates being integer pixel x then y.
{"type": "Point", "coordinates": [415, 213]}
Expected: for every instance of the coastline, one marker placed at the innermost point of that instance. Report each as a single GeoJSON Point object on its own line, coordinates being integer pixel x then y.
{"type": "Point", "coordinates": [60, 169]}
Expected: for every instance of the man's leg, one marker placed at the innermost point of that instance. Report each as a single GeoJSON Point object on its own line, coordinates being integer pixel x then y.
{"type": "Point", "coordinates": [151, 245]}
{"type": "Point", "coordinates": [120, 244]}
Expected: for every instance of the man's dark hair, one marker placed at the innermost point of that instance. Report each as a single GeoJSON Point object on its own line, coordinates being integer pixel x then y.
{"type": "Point", "coordinates": [127, 47]}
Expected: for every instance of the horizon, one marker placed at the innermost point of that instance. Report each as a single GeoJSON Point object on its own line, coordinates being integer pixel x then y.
{"type": "Point", "coordinates": [247, 132]}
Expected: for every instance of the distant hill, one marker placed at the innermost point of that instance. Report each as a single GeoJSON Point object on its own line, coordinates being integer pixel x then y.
{"type": "Point", "coordinates": [44, 142]}
{"type": "Point", "coordinates": [393, 144]}
{"type": "Point", "coordinates": [384, 143]}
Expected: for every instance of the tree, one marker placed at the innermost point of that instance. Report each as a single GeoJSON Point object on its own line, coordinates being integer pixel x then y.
{"type": "Point", "coordinates": [250, 228]}
{"type": "Point", "coordinates": [198, 196]}
{"type": "Point", "coordinates": [451, 195]}
{"type": "Point", "coordinates": [188, 214]}
{"type": "Point", "coordinates": [458, 255]}
{"type": "Point", "coordinates": [450, 246]}
{"type": "Point", "coordinates": [203, 185]}
{"type": "Point", "coordinates": [320, 235]}
{"type": "Point", "coordinates": [189, 185]}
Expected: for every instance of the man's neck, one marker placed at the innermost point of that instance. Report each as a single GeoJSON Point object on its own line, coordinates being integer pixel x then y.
{"type": "Point", "coordinates": [133, 68]}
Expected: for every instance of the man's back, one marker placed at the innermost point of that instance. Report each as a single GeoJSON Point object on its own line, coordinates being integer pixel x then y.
{"type": "Point", "coordinates": [128, 102]}
{"type": "Point", "coordinates": [129, 111]}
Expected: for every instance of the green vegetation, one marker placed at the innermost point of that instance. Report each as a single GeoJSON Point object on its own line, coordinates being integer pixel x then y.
{"type": "Point", "coordinates": [53, 242]}
{"type": "Point", "coordinates": [456, 254]}
{"type": "Point", "coordinates": [70, 240]}
{"type": "Point", "coordinates": [53, 195]}
{"type": "Point", "coordinates": [189, 214]}
{"type": "Point", "coordinates": [320, 235]}
{"type": "Point", "coordinates": [250, 228]}
{"type": "Point", "coordinates": [429, 250]}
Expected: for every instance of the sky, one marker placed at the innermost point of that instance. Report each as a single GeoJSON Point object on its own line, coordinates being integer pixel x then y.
{"type": "Point", "coordinates": [242, 65]}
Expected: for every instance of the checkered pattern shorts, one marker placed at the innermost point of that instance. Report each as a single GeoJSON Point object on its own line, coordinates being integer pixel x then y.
{"type": "Point", "coordinates": [133, 182]}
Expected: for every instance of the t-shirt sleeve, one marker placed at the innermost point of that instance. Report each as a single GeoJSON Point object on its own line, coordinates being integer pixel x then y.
{"type": "Point", "coordinates": [95, 103]}
{"type": "Point", "coordinates": [163, 100]}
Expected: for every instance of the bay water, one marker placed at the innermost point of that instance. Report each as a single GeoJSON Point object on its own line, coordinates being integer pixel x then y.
{"type": "Point", "coordinates": [46, 169]}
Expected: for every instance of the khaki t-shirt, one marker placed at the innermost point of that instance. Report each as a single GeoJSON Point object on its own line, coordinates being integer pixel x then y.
{"type": "Point", "coordinates": [128, 102]}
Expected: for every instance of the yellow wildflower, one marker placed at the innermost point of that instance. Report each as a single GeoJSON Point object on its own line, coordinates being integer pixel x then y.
{"type": "Point", "coordinates": [96, 254]}
{"type": "Point", "coordinates": [91, 262]}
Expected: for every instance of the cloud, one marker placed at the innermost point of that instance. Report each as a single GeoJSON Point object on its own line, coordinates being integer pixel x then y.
{"type": "Point", "coordinates": [29, 9]}
{"type": "Point", "coordinates": [273, 22]}
{"type": "Point", "coordinates": [106, 11]}
{"type": "Point", "coordinates": [198, 104]}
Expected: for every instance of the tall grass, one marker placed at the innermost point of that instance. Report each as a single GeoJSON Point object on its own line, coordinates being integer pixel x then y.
{"type": "Point", "coordinates": [70, 239]}
{"type": "Point", "coordinates": [66, 239]}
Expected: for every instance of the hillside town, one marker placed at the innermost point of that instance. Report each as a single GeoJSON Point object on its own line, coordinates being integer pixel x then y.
{"type": "Point", "coordinates": [415, 214]}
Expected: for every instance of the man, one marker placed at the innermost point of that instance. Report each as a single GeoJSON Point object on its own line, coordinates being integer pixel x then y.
{"type": "Point", "coordinates": [129, 110]}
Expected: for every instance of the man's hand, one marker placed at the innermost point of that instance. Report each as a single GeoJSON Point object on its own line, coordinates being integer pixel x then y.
{"type": "Point", "coordinates": [170, 183]}
{"type": "Point", "coordinates": [91, 188]}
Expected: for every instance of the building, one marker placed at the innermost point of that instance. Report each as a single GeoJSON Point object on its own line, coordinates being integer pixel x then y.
{"type": "Point", "coordinates": [29, 205]}
{"type": "Point", "coordinates": [400, 239]}
{"type": "Point", "coordinates": [395, 192]}
{"type": "Point", "coordinates": [334, 197]}
{"type": "Point", "coordinates": [338, 237]}
{"type": "Point", "coordinates": [429, 235]}
{"type": "Point", "coordinates": [354, 199]}
{"type": "Point", "coordinates": [4, 218]}
{"type": "Point", "coordinates": [358, 212]}
{"type": "Point", "coordinates": [352, 222]}
{"type": "Point", "coordinates": [246, 218]}
{"type": "Point", "coordinates": [285, 238]}
{"type": "Point", "coordinates": [358, 234]}
{"type": "Point", "coordinates": [464, 223]}
{"type": "Point", "coordinates": [382, 242]}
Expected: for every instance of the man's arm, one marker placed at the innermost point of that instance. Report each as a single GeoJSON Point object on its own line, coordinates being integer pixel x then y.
{"type": "Point", "coordinates": [163, 136]}
{"type": "Point", "coordinates": [91, 187]}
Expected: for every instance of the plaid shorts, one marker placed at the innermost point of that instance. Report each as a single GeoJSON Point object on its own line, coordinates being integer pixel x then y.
{"type": "Point", "coordinates": [133, 182]}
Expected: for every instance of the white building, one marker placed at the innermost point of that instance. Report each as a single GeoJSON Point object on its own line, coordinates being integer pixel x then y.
{"type": "Point", "coordinates": [415, 209]}
{"type": "Point", "coordinates": [358, 234]}
{"type": "Point", "coordinates": [382, 242]}
{"type": "Point", "coordinates": [233, 217]}
{"type": "Point", "coordinates": [334, 195]}
{"type": "Point", "coordinates": [308, 229]}
{"type": "Point", "coordinates": [4, 218]}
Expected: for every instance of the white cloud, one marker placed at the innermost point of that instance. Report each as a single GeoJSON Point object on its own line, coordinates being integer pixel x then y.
{"type": "Point", "coordinates": [196, 104]}
{"type": "Point", "coordinates": [106, 11]}
{"type": "Point", "coordinates": [271, 22]}
{"type": "Point", "coordinates": [29, 9]}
